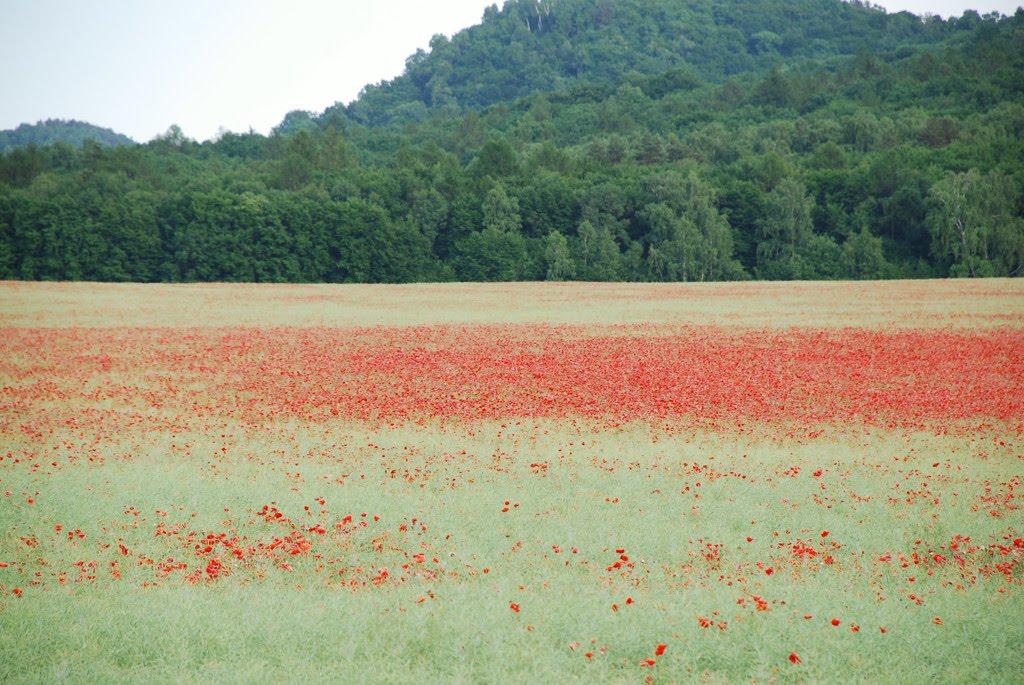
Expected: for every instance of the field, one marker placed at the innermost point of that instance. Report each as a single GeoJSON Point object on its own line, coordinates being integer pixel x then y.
{"type": "Point", "coordinates": [512, 483]}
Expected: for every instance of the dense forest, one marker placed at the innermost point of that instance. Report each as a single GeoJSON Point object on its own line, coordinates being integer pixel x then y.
{"type": "Point", "coordinates": [657, 140]}
{"type": "Point", "coordinates": [59, 131]}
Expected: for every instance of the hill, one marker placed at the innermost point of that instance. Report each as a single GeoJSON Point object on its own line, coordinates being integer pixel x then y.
{"type": "Point", "coordinates": [59, 131]}
{"type": "Point", "coordinates": [532, 46]}
{"type": "Point", "coordinates": [783, 139]}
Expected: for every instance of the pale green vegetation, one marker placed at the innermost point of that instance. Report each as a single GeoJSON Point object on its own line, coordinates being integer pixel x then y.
{"type": "Point", "coordinates": [304, 626]}
{"type": "Point", "coordinates": [902, 304]}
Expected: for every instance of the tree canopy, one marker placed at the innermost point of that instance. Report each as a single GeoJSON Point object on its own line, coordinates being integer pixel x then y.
{"type": "Point", "coordinates": [580, 139]}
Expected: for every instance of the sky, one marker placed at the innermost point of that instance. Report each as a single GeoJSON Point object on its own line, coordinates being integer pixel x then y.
{"type": "Point", "coordinates": [138, 66]}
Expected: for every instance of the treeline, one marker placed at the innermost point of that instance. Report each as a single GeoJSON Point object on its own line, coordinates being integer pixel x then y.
{"type": "Point", "coordinates": [906, 162]}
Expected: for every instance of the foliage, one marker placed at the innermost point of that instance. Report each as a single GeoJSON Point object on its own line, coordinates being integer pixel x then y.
{"type": "Point", "coordinates": [783, 139]}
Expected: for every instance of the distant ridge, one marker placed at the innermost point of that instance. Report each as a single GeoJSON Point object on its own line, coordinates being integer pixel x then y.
{"type": "Point", "coordinates": [67, 131]}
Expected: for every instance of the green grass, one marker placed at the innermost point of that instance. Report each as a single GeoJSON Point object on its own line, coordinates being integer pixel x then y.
{"type": "Point", "coordinates": [259, 624]}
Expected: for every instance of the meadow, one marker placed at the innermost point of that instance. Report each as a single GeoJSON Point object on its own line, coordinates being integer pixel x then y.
{"type": "Point", "coordinates": [746, 482]}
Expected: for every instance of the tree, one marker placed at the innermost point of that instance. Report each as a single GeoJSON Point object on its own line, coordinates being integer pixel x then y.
{"type": "Point", "coordinates": [784, 230]}
{"type": "Point", "coordinates": [491, 255]}
{"type": "Point", "coordinates": [429, 212]}
{"type": "Point", "coordinates": [296, 168]}
{"type": "Point", "coordinates": [597, 256]}
{"type": "Point", "coordinates": [862, 256]}
{"type": "Point", "coordinates": [501, 211]}
{"type": "Point", "coordinates": [975, 224]}
{"type": "Point", "coordinates": [560, 266]}
{"type": "Point", "coordinates": [689, 239]}
{"type": "Point", "coordinates": [497, 159]}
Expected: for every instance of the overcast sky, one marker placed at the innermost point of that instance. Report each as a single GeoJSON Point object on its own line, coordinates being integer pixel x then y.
{"type": "Point", "coordinates": [138, 66]}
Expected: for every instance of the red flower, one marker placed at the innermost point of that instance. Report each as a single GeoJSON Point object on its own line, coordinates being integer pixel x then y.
{"type": "Point", "coordinates": [835, 621]}
{"type": "Point", "coordinates": [660, 649]}
{"type": "Point", "coordinates": [513, 606]}
{"type": "Point", "coordinates": [794, 658]}
{"type": "Point", "coordinates": [17, 592]}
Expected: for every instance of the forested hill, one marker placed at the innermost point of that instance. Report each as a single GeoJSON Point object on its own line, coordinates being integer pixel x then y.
{"type": "Point", "coordinates": [59, 131]}
{"type": "Point", "coordinates": [652, 140]}
{"type": "Point", "coordinates": [533, 46]}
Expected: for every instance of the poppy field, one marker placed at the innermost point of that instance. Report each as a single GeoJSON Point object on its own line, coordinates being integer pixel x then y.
{"type": "Point", "coordinates": [512, 483]}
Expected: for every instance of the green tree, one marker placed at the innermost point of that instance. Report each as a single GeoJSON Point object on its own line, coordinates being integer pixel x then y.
{"type": "Point", "coordinates": [501, 211]}
{"type": "Point", "coordinates": [975, 224]}
{"type": "Point", "coordinates": [491, 255]}
{"type": "Point", "coordinates": [784, 231]}
{"type": "Point", "coordinates": [689, 239]}
{"type": "Point", "coordinates": [862, 256]}
{"type": "Point", "coordinates": [560, 266]}
{"type": "Point", "coordinates": [430, 213]}
{"type": "Point", "coordinates": [597, 255]}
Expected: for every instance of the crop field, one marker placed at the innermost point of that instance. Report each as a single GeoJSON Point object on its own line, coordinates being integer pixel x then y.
{"type": "Point", "coordinates": [816, 482]}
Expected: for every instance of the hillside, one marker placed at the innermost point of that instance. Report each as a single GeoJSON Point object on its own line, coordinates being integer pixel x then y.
{"type": "Point", "coordinates": [582, 139]}
{"type": "Point", "coordinates": [532, 46]}
{"type": "Point", "coordinates": [59, 131]}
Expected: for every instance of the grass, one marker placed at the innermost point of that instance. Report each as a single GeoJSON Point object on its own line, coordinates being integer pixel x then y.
{"type": "Point", "coordinates": [681, 500]}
